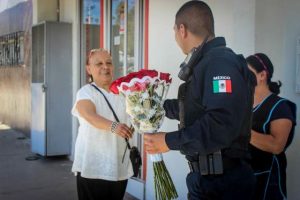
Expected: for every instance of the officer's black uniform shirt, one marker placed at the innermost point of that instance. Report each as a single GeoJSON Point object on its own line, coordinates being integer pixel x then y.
{"type": "Point", "coordinates": [219, 85]}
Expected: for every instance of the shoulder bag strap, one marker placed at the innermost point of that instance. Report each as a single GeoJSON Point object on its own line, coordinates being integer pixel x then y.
{"type": "Point", "coordinates": [116, 117]}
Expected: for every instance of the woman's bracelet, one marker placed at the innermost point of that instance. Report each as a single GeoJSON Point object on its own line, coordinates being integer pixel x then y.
{"type": "Point", "coordinates": [113, 127]}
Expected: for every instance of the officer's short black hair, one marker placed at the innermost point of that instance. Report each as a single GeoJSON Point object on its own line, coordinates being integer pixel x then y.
{"type": "Point", "coordinates": [197, 17]}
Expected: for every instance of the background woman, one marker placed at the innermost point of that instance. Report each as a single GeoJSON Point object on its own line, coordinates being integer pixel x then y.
{"type": "Point", "coordinates": [274, 119]}
{"type": "Point", "coordinates": [100, 145]}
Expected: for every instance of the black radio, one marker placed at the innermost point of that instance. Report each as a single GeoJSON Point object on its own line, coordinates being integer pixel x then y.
{"type": "Point", "coordinates": [186, 68]}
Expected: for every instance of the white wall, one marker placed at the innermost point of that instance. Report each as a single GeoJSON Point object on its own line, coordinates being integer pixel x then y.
{"type": "Point", "coordinates": [235, 20]}
{"type": "Point", "coordinates": [277, 28]}
{"type": "Point", "coordinates": [44, 10]}
{"type": "Point", "coordinates": [164, 55]}
{"type": "Point", "coordinates": [69, 12]}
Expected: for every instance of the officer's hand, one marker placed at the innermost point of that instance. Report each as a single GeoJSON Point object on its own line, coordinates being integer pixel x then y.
{"type": "Point", "coordinates": [155, 143]}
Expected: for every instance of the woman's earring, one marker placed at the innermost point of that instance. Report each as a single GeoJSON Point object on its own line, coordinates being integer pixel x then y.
{"type": "Point", "coordinates": [90, 79]}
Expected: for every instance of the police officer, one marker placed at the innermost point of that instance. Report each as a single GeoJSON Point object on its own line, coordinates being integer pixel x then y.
{"type": "Point", "coordinates": [214, 108]}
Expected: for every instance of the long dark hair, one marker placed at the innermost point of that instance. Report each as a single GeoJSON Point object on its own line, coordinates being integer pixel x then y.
{"type": "Point", "coordinates": [260, 62]}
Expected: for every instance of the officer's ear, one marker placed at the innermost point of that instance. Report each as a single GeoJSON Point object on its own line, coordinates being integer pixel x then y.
{"type": "Point", "coordinates": [182, 31]}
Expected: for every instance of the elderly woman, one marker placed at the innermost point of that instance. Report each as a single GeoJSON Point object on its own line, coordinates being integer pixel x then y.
{"type": "Point", "coordinates": [273, 123]}
{"type": "Point", "coordinates": [101, 171]}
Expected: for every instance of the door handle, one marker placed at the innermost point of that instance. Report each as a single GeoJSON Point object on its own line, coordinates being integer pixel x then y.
{"type": "Point", "coordinates": [44, 87]}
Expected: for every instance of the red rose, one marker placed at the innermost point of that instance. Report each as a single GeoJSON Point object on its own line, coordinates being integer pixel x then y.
{"type": "Point", "coordinates": [165, 77]}
{"type": "Point", "coordinates": [138, 86]}
{"type": "Point", "coordinates": [143, 86]}
{"type": "Point", "coordinates": [135, 87]}
{"type": "Point", "coordinates": [147, 72]}
{"type": "Point", "coordinates": [131, 75]}
{"type": "Point", "coordinates": [127, 78]}
{"type": "Point", "coordinates": [114, 86]}
{"type": "Point", "coordinates": [125, 87]}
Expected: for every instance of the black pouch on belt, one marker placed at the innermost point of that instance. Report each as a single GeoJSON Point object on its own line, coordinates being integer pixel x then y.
{"type": "Point", "coordinates": [211, 164]}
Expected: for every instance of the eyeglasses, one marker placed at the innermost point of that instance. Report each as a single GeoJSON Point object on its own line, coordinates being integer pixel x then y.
{"type": "Point", "coordinates": [93, 51]}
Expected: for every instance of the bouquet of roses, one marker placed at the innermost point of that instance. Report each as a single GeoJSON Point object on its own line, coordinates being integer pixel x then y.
{"type": "Point", "coordinates": [145, 92]}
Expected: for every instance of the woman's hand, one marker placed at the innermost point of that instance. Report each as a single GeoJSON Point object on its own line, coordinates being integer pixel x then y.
{"type": "Point", "coordinates": [87, 110]}
{"type": "Point", "coordinates": [123, 130]}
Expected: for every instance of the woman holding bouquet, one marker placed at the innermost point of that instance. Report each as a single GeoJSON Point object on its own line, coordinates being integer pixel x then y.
{"type": "Point", "coordinates": [101, 171]}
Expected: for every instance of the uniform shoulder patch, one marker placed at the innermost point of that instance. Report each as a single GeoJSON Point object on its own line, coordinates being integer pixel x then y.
{"type": "Point", "coordinates": [222, 84]}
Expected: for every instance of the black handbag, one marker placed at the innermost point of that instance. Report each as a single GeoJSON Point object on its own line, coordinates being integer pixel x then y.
{"type": "Point", "coordinates": [136, 160]}
{"type": "Point", "coordinates": [135, 156]}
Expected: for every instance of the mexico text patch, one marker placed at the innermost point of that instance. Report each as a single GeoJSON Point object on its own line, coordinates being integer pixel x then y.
{"type": "Point", "coordinates": [222, 84]}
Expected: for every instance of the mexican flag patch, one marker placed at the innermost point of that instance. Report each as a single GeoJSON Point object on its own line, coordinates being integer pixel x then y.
{"type": "Point", "coordinates": [222, 86]}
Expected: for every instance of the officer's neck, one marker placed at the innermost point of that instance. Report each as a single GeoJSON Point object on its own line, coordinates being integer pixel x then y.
{"type": "Point", "coordinates": [195, 41]}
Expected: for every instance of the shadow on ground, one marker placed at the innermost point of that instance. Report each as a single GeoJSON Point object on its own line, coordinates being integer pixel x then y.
{"type": "Point", "coordinates": [26, 176]}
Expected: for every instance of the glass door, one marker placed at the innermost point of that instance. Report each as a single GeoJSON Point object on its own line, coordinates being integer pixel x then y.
{"type": "Point", "coordinates": [125, 37]}
{"type": "Point", "coordinates": [126, 49]}
{"type": "Point", "coordinates": [115, 25]}
{"type": "Point", "coordinates": [90, 31]}
{"type": "Point", "coordinates": [124, 43]}
{"type": "Point", "coordinates": [121, 29]}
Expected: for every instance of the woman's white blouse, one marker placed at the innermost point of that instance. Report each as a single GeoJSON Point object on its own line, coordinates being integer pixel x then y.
{"type": "Point", "coordinates": [98, 153]}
